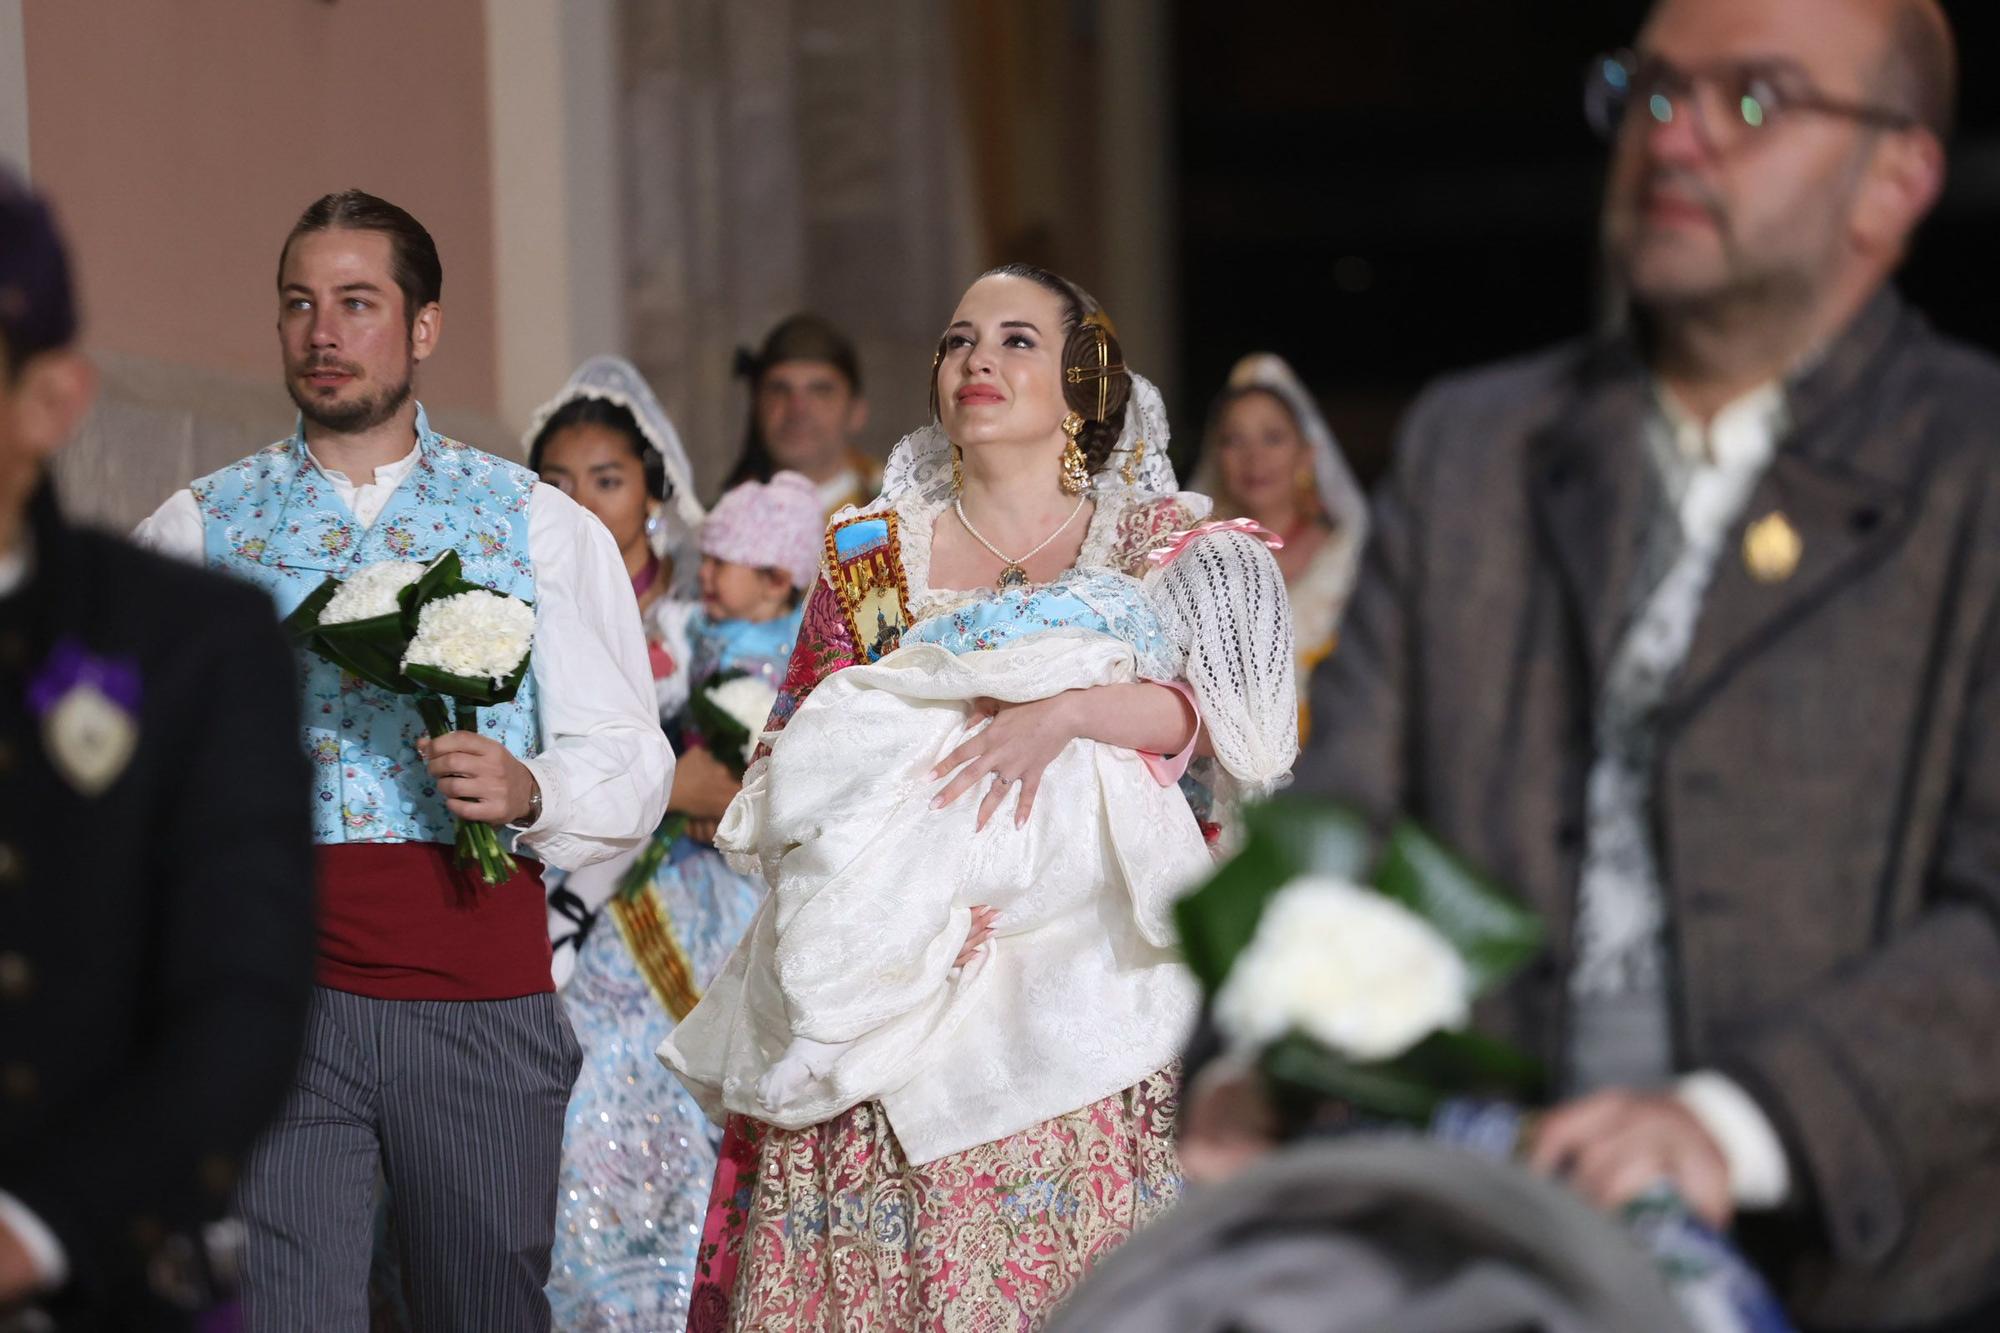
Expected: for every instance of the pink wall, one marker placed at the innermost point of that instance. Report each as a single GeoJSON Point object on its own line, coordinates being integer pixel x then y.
{"type": "Point", "coordinates": [180, 140]}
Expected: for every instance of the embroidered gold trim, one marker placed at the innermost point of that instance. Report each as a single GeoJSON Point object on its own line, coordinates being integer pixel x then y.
{"type": "Point", "coordinates": [859, 579]}
{"type": "Point", "coordinates": [642, 921]}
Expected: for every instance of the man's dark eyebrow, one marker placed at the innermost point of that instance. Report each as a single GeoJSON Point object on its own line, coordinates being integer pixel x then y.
{"type": "Point", "coordinates": [344, 287]}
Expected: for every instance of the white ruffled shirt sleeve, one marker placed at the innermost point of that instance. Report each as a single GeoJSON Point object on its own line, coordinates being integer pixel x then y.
{"type": "Point", "coordinates": [1223, 601]}
{"type": "Point", "coordinates": [174, 529]}
{"type": "Point", "coordinates": [605, 768]}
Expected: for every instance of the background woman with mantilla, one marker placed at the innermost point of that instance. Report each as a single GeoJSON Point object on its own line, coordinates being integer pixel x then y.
{"type": "Point", "coordinates": [1270, 455]}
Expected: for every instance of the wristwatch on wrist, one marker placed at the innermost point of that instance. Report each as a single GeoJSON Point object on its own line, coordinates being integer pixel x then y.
{"type": "Point", "coordinates": [534, 807]}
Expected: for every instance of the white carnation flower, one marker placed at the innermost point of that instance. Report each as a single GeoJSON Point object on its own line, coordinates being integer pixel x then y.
{"type": "Point", "coordinates": [1357, 972]}
{"type": "Point", "coordinates": [748, 700]}
{"type": "Point", "coordinates": [371, 592]}
{"type": "Point", "coordinates": [473, 634]}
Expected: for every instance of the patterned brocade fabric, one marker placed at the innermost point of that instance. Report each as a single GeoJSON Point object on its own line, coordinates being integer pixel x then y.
{"type": "Point", "coordinates": [829, 1230]}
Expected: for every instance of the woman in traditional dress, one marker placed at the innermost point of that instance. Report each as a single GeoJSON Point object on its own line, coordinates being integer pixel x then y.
{"type": "Point", "coordinates": [606, 442]}
{"type": "Point", "coordinates": [1270, 456]}
{"type": "Point", "coordinates": [1039, 503]}
{"type": "Point", "coordinates": [650, 928]}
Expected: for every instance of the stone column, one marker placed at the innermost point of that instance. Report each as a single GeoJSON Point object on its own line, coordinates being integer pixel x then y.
{"type": "Point", "coordinates": [785, 155]}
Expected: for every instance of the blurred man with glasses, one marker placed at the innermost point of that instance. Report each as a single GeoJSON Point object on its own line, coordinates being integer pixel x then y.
{"type": "Point", "coordinates": [1691, 632]}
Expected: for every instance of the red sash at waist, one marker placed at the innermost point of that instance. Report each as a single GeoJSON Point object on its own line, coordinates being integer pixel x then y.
{"type": "Point", "coordinates": [397, 921]}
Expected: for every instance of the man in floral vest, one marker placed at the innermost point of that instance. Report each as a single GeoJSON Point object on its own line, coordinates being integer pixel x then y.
{"type": "Point", "coordinates": [437, 1054]}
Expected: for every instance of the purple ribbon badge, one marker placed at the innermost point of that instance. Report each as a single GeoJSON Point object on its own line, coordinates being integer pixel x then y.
{"type": "Point", "coordinates": [89, 707]}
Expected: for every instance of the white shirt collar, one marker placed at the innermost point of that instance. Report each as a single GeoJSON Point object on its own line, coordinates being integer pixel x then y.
{"type": "Point", "coordinates": [389, 474]}
{"type": "Point", "coordinates": [1744, 434]}
{"type": "Point", "coordinates": [839, 488]}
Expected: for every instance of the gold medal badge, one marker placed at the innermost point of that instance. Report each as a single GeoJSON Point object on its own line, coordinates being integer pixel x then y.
{"type": "Point", "coordinates": [1771, 548]}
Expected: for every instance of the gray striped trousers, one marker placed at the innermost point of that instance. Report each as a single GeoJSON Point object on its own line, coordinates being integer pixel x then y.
{"type": "Point", "coordinates": [459, 1106]}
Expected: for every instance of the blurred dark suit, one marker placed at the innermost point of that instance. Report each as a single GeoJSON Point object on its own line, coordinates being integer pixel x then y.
{"type": "Point", "coordinates": [1827, 792]}
{"type": "Point", "coordinates": [156, 940]}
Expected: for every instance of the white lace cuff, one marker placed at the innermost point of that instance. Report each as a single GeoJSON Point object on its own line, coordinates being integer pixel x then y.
{"type": "Point", "coordinates": [1759, 1174]}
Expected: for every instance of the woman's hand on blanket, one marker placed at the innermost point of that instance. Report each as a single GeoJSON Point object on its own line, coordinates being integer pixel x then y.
{"type": "Point", "coordinates": [1015, 746]}
{"type": "Point", "coordinates": [975, 938]}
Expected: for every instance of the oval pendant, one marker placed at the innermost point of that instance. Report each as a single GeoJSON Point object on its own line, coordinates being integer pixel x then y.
{"type": "Point", "coordinates": [1013, 576]}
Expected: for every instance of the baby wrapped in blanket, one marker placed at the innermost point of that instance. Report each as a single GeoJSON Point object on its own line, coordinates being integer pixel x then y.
{"type": "Point", "coordinates": [845, 988]}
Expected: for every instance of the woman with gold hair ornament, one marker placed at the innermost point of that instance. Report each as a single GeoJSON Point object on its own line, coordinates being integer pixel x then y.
{"type": "Point", "coordinates": [945, 1051]}
{"type": "Point", "coordinates": [1270, 455]}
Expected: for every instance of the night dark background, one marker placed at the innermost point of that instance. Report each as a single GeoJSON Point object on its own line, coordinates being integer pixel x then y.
{"type": "Point", "coordinates": [1384, 190]}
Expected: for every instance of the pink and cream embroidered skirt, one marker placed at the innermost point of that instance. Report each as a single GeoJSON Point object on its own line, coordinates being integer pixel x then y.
{"type": "Point", "coordinates": [829, 1230]}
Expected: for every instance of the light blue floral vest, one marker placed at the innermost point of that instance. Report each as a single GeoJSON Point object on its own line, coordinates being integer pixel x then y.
{"type": "Point", "coordinates": [274, 520]}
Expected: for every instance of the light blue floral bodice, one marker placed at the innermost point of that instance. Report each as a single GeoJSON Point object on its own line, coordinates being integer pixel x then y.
{"type": "Point", "coordinates": [272, 520]}
{"type": "Point", "coordinates": [1097, 600]}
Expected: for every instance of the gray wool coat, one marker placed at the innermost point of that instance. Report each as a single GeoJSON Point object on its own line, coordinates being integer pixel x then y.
{"type": "Point", "coordinates": [1827, 795]}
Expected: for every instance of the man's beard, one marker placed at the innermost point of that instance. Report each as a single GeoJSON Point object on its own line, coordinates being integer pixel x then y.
{"type": "Point", "coordinates": [353, 417]}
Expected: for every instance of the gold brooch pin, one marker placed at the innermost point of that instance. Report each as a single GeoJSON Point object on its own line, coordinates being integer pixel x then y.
{"type": "Point", "coordinates": [1771, 548]}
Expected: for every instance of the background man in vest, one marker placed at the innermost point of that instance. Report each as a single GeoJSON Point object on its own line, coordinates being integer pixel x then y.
{"type": "Point", "coordinates": [436, 1048]}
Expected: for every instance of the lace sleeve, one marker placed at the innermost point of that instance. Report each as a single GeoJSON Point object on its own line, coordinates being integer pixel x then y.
{"type": "Point", "coordinates": [1223, 601]}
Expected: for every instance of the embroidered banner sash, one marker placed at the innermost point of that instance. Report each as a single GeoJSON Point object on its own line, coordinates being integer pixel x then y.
{"type": "Point", "coordinates": [865, 557]}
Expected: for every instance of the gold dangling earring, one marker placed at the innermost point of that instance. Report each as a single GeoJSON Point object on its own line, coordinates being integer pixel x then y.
{"type": "Point", "coordinates": [1131, 469]}
{"type": "Point", "coordinates": [1075, 472]}
{"type": "Point", "coordinates": [957, 471]}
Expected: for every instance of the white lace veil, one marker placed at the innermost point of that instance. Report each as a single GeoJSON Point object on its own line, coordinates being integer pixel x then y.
{"type": "Point", "coordinates": [613, 379]}
{"type": "Point", "coordinates": [1339, 494]}
{"type": "Point", "coordinates": [920, 464]}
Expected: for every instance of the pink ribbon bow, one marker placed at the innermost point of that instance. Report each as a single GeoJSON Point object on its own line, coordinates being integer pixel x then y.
{"type": "Point", "coordinates": [1178, 542]}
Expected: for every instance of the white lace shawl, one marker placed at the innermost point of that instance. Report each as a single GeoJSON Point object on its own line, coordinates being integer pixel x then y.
{"type": "Point", "coordinates": [1320, 592]}
{"type": "Point", "coordinates": [613, 379]}
{"type": "Point", "coordinates": [1222, 600]}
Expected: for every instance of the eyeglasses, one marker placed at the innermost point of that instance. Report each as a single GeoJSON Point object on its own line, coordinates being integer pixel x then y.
{"type": "Point", "coordinates": [1731, 102]}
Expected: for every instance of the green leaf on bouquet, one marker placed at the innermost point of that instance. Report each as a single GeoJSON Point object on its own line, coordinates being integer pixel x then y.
{"type": "Point", "coordinates": [722, 735]}
{"type": "Point", "coordinates": [1493, 933]}
{"type": "Point", "coordinates": [478, 691]}
{"type": "Point", "coordinates": [1296, 1064]}
{"type": "Point", "coordinates": [304, 619]}
{"type": "Point", "coordinates": [443, 577]}
{"type": "Point", "coordinates": [1442, 1066]}
{"type": "Point", "coordinates": [371, 649]}
{"type": "Point", "coordinates": [1282, 839]}
{"type": "Point", "coordinates": [1467, 1063]}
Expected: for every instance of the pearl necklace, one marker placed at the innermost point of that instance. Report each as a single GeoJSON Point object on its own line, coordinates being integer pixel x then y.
{"type": "Point", "coordinates": [1012, 575]}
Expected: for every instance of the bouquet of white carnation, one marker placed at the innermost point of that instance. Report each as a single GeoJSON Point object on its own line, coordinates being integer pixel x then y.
{"type": "Point", "coordinates": [1348, 978]}
{"type": "Point", "coordinates": [726, 716]}
{"type": "Point", "coordinates": [1341, 980]}
{"type": "Point", "coordinates": [729, 712]}
{"type": "Point", "coordinates": [423, 630]}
